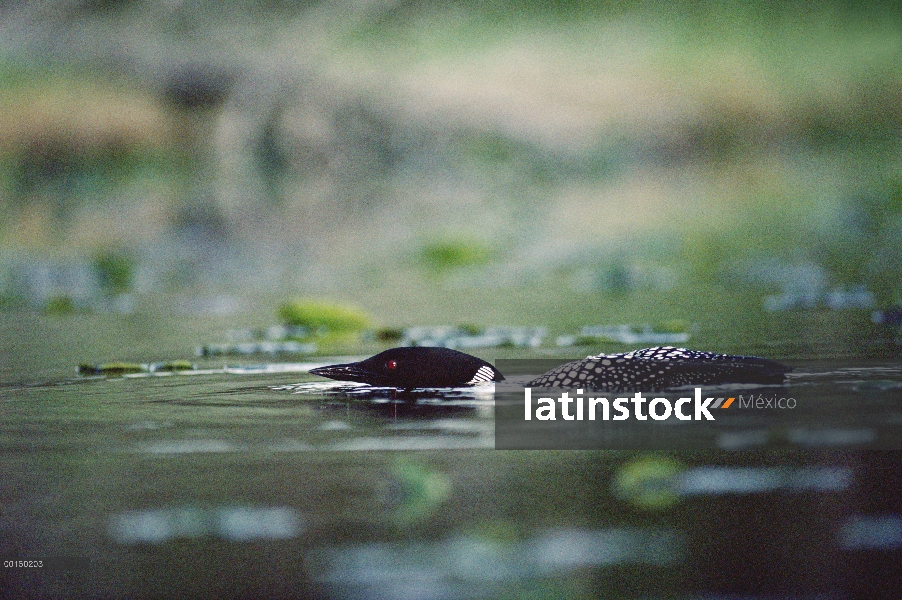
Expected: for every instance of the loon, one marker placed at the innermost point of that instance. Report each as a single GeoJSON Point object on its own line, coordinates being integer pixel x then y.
{"type": "Point", "coordinates": [660, 368]}
{"type": "Point", "coordinates": [410, 368]}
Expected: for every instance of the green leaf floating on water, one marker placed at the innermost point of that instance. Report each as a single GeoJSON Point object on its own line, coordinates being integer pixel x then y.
{"type": "Point", "coordinates": [113, 368]}
{"type": "Point", "coordinates": [125, 368]}
{"type": "Point", "coordinates": [173, 365]}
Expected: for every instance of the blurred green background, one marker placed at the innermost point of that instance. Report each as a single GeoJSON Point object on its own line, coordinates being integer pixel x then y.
{"type": "Point", "coordinates": [736, 165]}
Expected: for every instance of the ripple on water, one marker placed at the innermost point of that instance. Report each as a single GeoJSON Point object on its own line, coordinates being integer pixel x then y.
{"type": "Point", "coordinates": [346, 389]}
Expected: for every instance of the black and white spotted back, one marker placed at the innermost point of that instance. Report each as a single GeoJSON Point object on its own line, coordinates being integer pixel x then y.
{"type": "Point", "coordinates": [660, 368]}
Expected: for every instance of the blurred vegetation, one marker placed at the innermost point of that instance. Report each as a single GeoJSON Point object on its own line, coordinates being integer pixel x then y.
{"type": "Point", "coordinates": [116, 271]}
{"type": "Point", "coordinates": [59, 305]}
{"type": "Point", "coordinates": [647, 482]}
{"type": "Point", "coordinates": [628, 159]}
{"type": "Point", "coordinates": [323, 317]}
{"type": "Point", "coordinates": [444, 255]}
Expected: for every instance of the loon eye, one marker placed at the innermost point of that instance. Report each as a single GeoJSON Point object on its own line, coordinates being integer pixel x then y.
{"type": "Point", "coordinates": [391, 365]}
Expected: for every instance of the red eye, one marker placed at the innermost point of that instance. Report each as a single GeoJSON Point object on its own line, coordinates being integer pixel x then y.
{"type": "Point", "coordinates": [391, 365]}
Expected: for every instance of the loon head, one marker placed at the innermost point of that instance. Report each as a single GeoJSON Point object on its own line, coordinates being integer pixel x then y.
{"type": "Point", "coordinates": [415, 368]}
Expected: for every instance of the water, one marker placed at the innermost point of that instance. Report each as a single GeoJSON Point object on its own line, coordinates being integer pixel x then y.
{"type": "Point", "coordinates": [269, 482]}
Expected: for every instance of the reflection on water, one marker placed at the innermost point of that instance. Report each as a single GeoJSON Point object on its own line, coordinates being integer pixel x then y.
{"type": "Point", "coordinates": [748, 480]}
{"type": "Point", "coordinates": [872, 533]}
{"type": "Point", "coordinates": [231, 523]}
{"type": "Point", "coordinates": [270, 484]}
{"type": "Point", "coordinates": [189, 446]}
{"type": "Point", "coordinates": [477, 396]}
{"type": "Point", "coordinates": [468, 566]}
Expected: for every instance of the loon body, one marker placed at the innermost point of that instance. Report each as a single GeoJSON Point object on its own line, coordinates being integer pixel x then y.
{"type": "Point", "coordinates": [410, 368]}
{"type": "Point", "coordinates": [661, 368]}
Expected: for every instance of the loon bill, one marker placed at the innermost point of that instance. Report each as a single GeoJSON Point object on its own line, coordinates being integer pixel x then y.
{"type": "Point", "coordinates": [661, 368]}
{"type": "Point", "coordinates": [410, 368]}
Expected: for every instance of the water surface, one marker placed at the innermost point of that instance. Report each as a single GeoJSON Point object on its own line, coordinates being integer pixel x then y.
{"type": "Point", "coordinates": [268, 482]}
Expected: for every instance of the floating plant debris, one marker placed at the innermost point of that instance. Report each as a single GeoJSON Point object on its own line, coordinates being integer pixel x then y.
{"type": "Point", "coordinates": [246, 348]}
{"type": "Point", "coordinates": [113, 368]}
{"type": "Point", "coordinates": [172, 366]}
{"type": "Point", "coordinates": [470, 336]}
{"type": "Point", "coordinates": [129, 368]}
{"type": "Point", "coordinates": [668, 333]}
{"type": "Point", "coordinates": [136, 370]}
{"type": "Point", "coordinates": [837, 299]}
